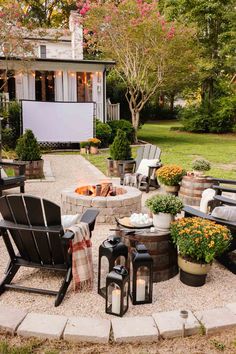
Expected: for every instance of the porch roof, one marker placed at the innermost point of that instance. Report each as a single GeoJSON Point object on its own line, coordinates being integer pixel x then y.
{"type": "Point", "coordinates": [72, 61]}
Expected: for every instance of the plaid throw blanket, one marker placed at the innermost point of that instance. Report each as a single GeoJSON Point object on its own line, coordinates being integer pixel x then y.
{"type": "Point", "coordinates": [82, 265]}
{"type": "Point", "coordinates": [133, 179]}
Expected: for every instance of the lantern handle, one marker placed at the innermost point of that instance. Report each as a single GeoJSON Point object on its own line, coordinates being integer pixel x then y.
{"type": "Point", "coordinates": [120, 270]}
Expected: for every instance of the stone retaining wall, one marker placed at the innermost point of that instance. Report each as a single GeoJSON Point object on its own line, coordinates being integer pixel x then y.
{"type": "Point", "coordinates": [109, 207]}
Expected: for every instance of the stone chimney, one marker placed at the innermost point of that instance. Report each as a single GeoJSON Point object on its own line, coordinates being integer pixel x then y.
{"type": "Point", "coordinates": [76, 36]}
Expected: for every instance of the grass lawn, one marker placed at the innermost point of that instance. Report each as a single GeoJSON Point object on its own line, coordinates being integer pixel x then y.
{"type": "Point", "coordinates": [182, 148]}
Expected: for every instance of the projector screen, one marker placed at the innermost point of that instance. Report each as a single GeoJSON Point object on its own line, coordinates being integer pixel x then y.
{"type": "Point", "coordinates": [59, 121]}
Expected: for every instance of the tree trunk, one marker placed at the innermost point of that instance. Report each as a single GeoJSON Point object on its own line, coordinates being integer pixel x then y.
{"type": "Point", "coordinates": [172, 99]}
{"type": "Point", "coordinates": [135, 123]}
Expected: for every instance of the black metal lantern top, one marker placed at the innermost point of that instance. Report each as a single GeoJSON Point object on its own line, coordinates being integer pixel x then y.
{"type": "Point", "coordinates": [118, 274]}
{"type": "Point", "coordinates": [141, 255]}
{"type": "Point", "coordinates": [112, 247]}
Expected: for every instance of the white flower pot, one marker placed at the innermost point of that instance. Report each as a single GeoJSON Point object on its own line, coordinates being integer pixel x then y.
{"type": "Point", "coordinates": [162, 220]}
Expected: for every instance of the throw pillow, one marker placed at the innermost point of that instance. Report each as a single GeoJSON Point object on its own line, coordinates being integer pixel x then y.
{"type": "Point", "coordinates": [225, 213]}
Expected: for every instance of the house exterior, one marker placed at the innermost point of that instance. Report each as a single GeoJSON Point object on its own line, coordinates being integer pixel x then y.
{"type": "Point", "coordinates": [58, 72]}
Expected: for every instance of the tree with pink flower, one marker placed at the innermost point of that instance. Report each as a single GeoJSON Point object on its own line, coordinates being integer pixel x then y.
{"type": "Point", "coordinates": [143, 44]}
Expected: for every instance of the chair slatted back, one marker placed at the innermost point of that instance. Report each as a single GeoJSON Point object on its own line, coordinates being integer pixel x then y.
{"type": "Point", "coordinates": [38, 247]}
{"type": "Point", "coordinates": [148, 151]}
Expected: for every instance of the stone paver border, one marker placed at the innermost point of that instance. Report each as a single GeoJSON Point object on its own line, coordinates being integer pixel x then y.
{"type": "Point", "coordinates": [126, 329]}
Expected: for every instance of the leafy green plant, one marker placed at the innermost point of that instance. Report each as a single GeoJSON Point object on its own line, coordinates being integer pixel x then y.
{"type": "Point", "coordinates": [83, 144]}
{"type": "Point", "coordinates": [201, 165]}
{"type": "Point", "coordinates": [218, 345]}
{"type": "Point", "coordinates": [199, 239]}
{"type": "Point", "coordinates": [124, 125]}
{"type": "Point", "coordinates": [27, 147]}
{"type": "Point", "coordinates": [8, 138]}
{"type": "Point", "coordinates": [164, 203]}
{"type": "Point", "coordinates": [120, 149]}
{"type": "Point", "coordinates": [170, 175]}
{"type": "Point", "coordinates": [103, 133]}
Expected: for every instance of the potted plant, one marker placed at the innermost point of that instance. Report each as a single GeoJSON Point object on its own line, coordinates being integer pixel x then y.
{"type": "Point", "coordinates": [84, 147]}
{"type": "Point", "coordinates": [94, 143]}
{"type": "Point", "coordinates": [120, 153]}
{"type": "Point", "coordinates": [198, 241]}
{"type": "Point", "coordinates": [164, 207]}
{"type": "Point", "coordinates": [200, 166]}
{"type": "Point", "coordinates": [28, 150]}
{"type": "Point", "coordinates": [170, 176]}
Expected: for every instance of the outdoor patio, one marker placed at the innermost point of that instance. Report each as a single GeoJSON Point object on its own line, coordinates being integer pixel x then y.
{"type": "Point", "coordinates": [70, 171]}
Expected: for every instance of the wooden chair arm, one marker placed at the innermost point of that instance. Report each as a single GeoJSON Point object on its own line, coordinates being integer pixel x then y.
{"type": "Point", "coordinates": [20, 164]}
{"type": "Point", "coordinates": [69, 235]}
{"type": "Point", "coordinates": [122, 166]}
{"type": "Point", "coordinates": [220, 189]}
{"type": "Point", "coordinates": [225, 200]}
{"type": "Point", "coordinates": [12, 226]}
{"type": "Point", "coordinates": [224, 181]}
{"type": "Point", "coordinates": [89, 217]}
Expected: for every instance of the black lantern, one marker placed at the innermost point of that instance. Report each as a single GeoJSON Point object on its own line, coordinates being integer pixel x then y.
{"type": "Point", "coordinates": [112, 252]}
{"type": "Point", "coordinates": [117, 291]}
{"type": "Point", "coordinates": [141, 276]}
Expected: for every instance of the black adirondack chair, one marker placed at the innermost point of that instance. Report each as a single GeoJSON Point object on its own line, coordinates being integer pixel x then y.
{"type": "Point", "coordinates": [150, 152]}
{"type": "Point", "coordinates": [34, 225]}
{"type": "Point", "coordinates": [13, 181]}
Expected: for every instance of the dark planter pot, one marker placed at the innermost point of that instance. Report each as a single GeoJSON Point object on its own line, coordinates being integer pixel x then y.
{"type": "Point", "coordinates": [114, 167]}
{"type": "Point", "coordinates": [192, 279]}
{"type": "Point", "coordinates": [33, 169]}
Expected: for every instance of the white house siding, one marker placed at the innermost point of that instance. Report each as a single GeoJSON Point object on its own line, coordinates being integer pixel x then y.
{"type": "Point", "coordinates": [65, 81]}
{"type": "Point", "coordinates": [54, 50]}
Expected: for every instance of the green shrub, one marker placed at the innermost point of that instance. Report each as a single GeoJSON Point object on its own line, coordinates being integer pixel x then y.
{"type": "Point", "coordinates": [201, 165]}
{"type": "Point", "coordinates": [103, 133]}
{"type": "Point", "coordinates": [125, 126]}
{"type": "Point", "coordinates": [14, 117]}
{"type": "Point", "coordinates": [164, 203]}
{"type": "Point", "coordinates": [217, 116]}
{"type": "Point", "coordinates": [8, 138]}
{"type": "Point", "coordinates": [120, 149]}
{"type": "Point", "coordinates": [27, 147]}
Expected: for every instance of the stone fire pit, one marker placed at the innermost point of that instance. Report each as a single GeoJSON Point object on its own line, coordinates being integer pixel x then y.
{"type": "Point", "coordinates": [110, 207]}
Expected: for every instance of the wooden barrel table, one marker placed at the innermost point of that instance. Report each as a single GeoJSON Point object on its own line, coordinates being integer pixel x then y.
{"type": "Point", "coordinates": [192, 187]}
{"type": "Point", "coordinates": [161, 249]}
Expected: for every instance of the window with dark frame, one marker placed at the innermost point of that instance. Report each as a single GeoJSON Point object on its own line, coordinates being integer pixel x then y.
{"type": "Point", "coordinates": [45, 86]}
{"type": "Point", "coordinates": [43, 51]}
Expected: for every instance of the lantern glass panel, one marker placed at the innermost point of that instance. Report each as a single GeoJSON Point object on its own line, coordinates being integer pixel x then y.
{"type": "Point", "coordinates": [126, 297]}
{"type": "Point", "coordinates": [114, 298]}
{"type": "Point", "coordinates": [120, 261]}
{"type": "Point", "coordinates": [103, 273]}
{"type": "Point", "coordinates": [142, 283]}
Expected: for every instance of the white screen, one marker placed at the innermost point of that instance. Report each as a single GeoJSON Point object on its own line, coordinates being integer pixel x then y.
{"type": "Point", "coordinates": [58, 121]}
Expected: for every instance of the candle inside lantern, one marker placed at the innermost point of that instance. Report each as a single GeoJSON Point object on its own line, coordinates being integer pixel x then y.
{"type": "Point", "coordinates": [140, 295]}
{"type": "Point", "coordinates": [115, 301]}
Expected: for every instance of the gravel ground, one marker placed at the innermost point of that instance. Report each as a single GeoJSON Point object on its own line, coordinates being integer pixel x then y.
{"type": "Point", "coordinates": [168, 295]}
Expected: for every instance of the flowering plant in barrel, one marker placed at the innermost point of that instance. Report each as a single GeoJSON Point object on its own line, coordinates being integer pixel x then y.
{"type": "Point", "coordinates": [200, 166]}
{"type": "Point", "coordinates": [199, 241]}
{"type": "Point", "coordinates": [170, 176]}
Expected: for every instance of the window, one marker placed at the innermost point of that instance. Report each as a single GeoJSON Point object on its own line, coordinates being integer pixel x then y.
{"type": "Point", "coordinates": [84, 87]}
{"type": "Point", "coordinates": [43, 52]}
{"type": "Point", "coordinates": [8, 85]}
{"type": "Point", "coordinates": [45, 86]}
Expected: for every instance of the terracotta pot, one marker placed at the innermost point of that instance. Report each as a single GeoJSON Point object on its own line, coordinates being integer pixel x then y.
{"type": "Point", "coordinates": [93, 150]}
{"type": "Point", "coordinates": [83, 150]}
{"type": "Point", "coordinates": [191, 273]}
{"type": "Point", "coordinates": [162, 220]}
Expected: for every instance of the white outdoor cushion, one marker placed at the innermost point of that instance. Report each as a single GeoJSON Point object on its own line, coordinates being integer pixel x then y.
{"type": "Point", "coordinates": [143, 166]}
{"type": "Point", "coordinates": [3, 173]}
{"type": "Point", "coordinates": [69, 220]}
{"type": "Point", "coordinates": [225, 212]}
{"type": "Point", "coordinates": [207, 195]}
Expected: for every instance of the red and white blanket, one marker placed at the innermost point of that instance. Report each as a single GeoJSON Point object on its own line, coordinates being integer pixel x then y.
{"type": "Point", "coordinates": [82, 264]}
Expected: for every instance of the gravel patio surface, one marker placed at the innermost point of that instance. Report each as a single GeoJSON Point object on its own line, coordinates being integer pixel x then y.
{"type": "Point", "coordinates": [69, 170]}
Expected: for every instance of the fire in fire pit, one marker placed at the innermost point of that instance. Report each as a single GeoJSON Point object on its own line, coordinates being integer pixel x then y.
{"type": "Point", "coordinates": [100, 190]}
